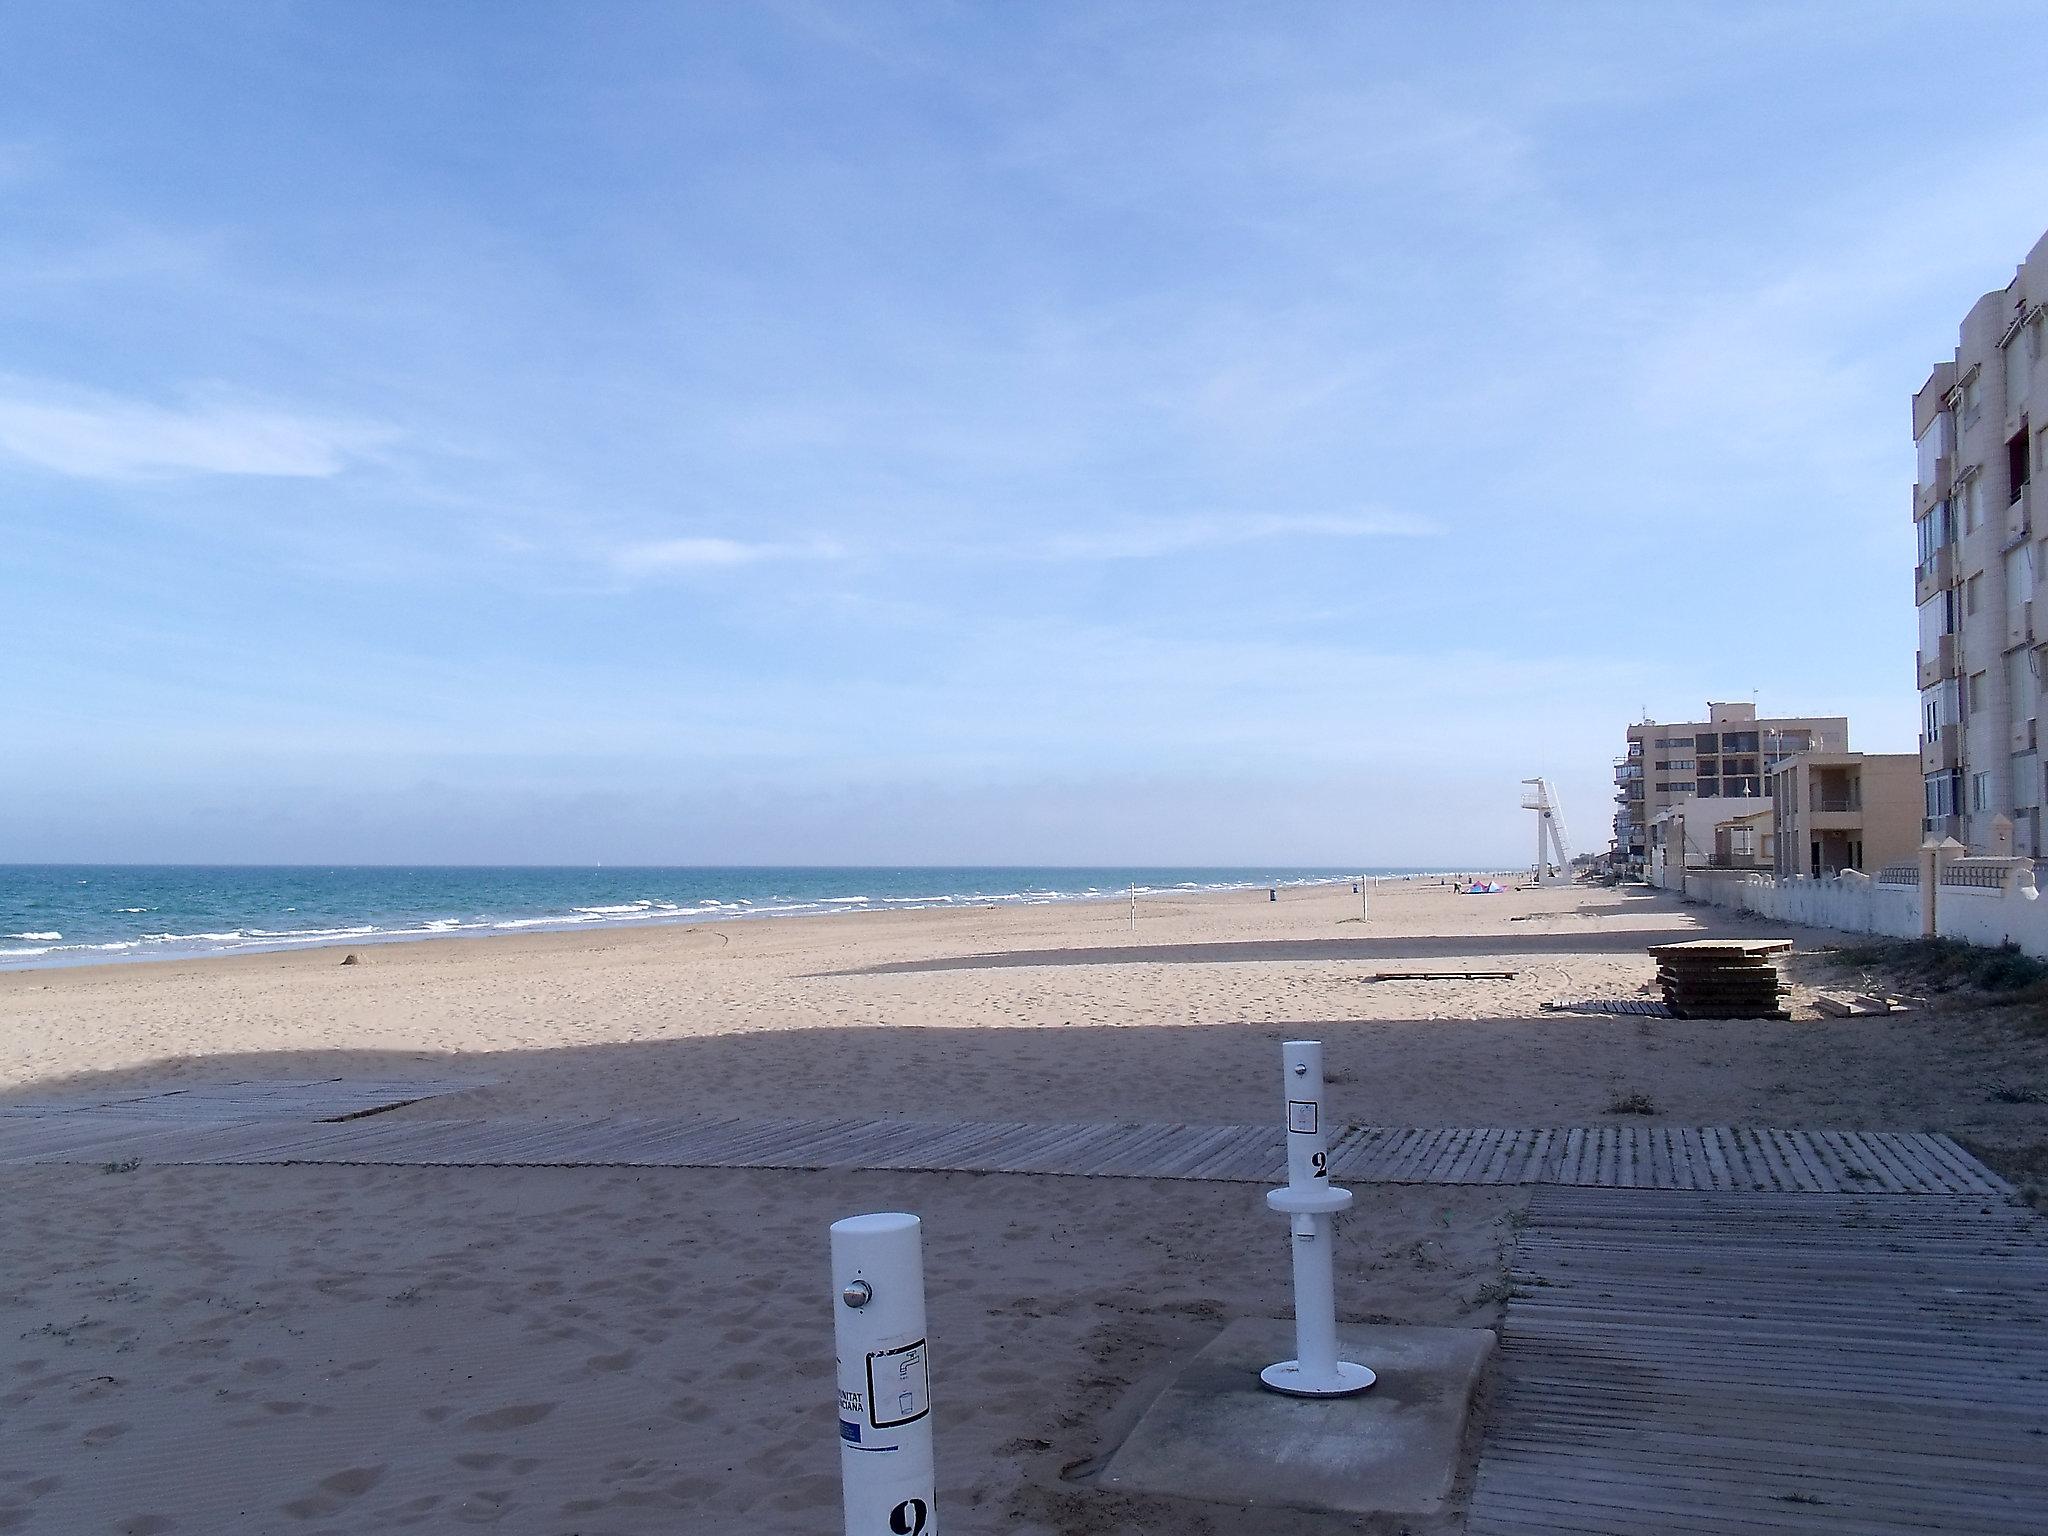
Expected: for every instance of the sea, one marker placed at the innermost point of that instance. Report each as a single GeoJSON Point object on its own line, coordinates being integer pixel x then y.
{"type": "Point", "coordinates": [93, 913]}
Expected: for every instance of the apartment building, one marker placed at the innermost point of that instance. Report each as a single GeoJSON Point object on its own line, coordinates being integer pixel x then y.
{"type": "Point", "coordinates": [1719, 761]}
{"type": "Point", "coordinates": [1832, 811]}
{"type": "Point", "coordinates": [1981, 426]}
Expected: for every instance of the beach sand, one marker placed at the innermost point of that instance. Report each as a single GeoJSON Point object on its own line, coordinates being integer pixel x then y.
{"type": "Point", "coordinates": [642, 1350]}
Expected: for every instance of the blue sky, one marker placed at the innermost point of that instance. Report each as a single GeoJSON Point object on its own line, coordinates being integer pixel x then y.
{"type": "Point", "coordinates": [935, 433]}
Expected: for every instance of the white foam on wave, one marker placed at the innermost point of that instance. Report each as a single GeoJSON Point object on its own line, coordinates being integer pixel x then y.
{"type": "Point", "coordinates": [308, 932]}
{"type": "Point", "coordinates": [34, 938]}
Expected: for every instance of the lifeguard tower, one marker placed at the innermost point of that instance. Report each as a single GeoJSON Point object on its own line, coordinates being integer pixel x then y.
{"type": "Point", "coordinates": [1553, 858]}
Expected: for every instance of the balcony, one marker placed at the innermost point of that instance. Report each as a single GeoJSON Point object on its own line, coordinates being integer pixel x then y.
{"type": "Point", "coordinates": [1835, 801]}
{"type": "Point", "coordinates": [2017, 523]}
{"type": "Point", "coordinates": [1939, 663]}
{"type": "Point", "coordinates": [1925, 496]}
{"type": "Point", "coordinates": [1944, 753]}
{"type": "Point", "coordinates": [2019, 625]}
{"type": "Point", "coordinates": [1938, 574]}
{"type": "Point", "coordinates": [1627, 773]}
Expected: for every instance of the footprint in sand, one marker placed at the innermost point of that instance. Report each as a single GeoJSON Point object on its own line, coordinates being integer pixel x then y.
{"type": "Point", "coordinates": [517, 1416]}
{"type": "Point", "coordinates": [100, 1434]}
{"type": "Point", "coordinates": [335, 1492]}
{"type": "Point", "coordinates": [618, 1362]}
{"type": "Point", "coordinates": [284, 1407]}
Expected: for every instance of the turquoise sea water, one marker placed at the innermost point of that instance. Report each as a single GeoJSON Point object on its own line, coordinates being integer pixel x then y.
{"type": "Point", "coordinates": [87, 914]}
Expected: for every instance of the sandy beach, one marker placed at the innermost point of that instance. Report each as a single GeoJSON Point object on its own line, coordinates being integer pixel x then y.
{"type": "Point", "coordinates": [637, 1350]}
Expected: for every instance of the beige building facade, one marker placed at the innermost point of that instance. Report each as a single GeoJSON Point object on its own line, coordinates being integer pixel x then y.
{"type": "Point", "coordinates": [1832, 811]}
{"type": "Point", "coordinates": [1713, 768]}
{"type": "Point", "coordinates": [1980, 424]}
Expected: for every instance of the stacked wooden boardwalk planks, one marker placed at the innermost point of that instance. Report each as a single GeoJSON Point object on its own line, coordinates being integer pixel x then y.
{"type": "Point", "coordinates": [1649, 1157]}
{"type": "Point", "coordinates": [1696, 1363]}
{"type": "Point", "coordinates": [1722, 978]}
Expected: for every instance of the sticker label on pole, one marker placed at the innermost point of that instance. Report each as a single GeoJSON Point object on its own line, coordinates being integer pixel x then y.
{"type": "Point", "coordinates": [899, 1385]}
{"type": "Point", "coordinates": [1301, 1116]}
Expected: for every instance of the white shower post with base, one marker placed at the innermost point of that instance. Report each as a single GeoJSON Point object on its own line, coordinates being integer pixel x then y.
{"type": "Point", "coordinates": [885, 1427]}
{"type": "Point", "coordinates": [1311, 1205]}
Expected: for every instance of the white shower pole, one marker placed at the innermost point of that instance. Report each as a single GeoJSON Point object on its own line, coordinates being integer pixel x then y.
{"type": "Point", "coordinates": [885, 1428]}
{"type": "Point", "coordinates": [1311, 1205]}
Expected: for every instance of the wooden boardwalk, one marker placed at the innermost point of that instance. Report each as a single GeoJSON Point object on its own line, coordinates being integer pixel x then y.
{"type": "Point", "coordinates": [1629, 1157]}
{"type": "Point", "coordinates": [276, 1098]}
{"type": "Point", "coordinates": [1698, 1363]}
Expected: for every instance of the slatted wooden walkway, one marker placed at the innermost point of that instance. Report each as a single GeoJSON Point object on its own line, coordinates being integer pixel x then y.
{"type": "Point", "coordinates": [1647, 1157]}
{"type": "Point", "coordinates": [304, 1098]}
{"type": "Point", "coordinates": [1765, 1364]}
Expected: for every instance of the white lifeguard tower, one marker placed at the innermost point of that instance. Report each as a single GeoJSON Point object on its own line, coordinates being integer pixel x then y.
{"type": "Point", "coordinates": [1553, 858]}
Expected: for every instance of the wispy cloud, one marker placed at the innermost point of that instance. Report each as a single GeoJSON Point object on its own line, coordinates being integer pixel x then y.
{"type": "Point", "coordinates": [97, 436]}
{"type": "Point", "coordinates": [1173, 536]}
{"type": "Point", "coordinates": [658, 555]}
{"type": "Point", "coordinates": [1146, 539]}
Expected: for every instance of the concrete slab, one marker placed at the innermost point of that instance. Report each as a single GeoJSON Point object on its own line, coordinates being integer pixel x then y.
{"type": "Point", "coordinates": [1215, 1433]}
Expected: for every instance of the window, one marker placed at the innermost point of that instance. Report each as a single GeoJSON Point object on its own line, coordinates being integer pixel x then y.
{"type": "Point", "coordinates": [1707, 743]}
{"type": "Point", "coordinates": [2017, 366]}
{"type": "Point", "coordinates": [1739, 741]}
{"type": "Point", "coordinates": [1935, 621]}
{"type": "Point", "coordinates": [2016, 463]}
{"type": "Point", "coordinates": [1980, 784]}
{"type": "Point", "coordinates": [1976, 692]}
{"type": "Point", "coordinates": [1938, 708]}
{"type": "Point", "coordinates": [2019, 578]}
{"type": "Point", "coordinates": [1937, 529]}
{"type": "Point", "coordinates": [1943, 792]}
{"type": "Point", "coordinates": [1970, 399]}
{"type": "Point", "coordinates": [1973, 592]}
{"type": "Point", "coordinates": [1971, 495]}
{"type": "Point", "coordinates": [1682, 764]}
{"type": "Point", "coordinates": [1933, 443]}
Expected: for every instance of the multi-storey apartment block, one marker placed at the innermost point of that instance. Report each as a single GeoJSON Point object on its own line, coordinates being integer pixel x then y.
{"type": "Point", "coordinates": [1981, 425]}
{"type": "Point", "coordinates": [1721, 760]}
{"type": "Point", "coordinates": [1832, 811]}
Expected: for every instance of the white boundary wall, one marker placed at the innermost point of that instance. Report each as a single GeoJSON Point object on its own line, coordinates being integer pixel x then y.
{"type": "Point", "coordinates": [2011, 912]}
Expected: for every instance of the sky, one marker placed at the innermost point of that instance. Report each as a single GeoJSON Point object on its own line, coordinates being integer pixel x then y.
{"type": "Point", "coordinates": [958, 433]}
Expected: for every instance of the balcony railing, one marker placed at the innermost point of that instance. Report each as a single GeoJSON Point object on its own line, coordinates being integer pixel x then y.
{"type": "Point", "coordinates": [1835, 801]}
